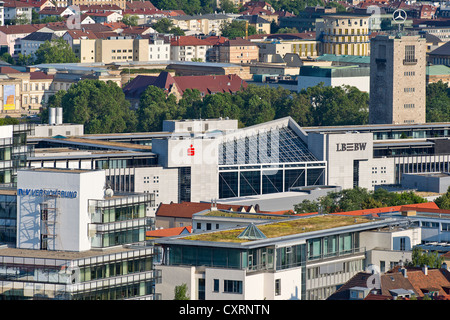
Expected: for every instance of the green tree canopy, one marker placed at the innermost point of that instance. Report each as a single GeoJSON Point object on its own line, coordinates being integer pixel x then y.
{"type": "Point", "coordinates": [421, 258]}
{"type": "Point", "coordinates": [357, 199]}
{"type": "Point", "coordinates": [165, 25]}
{"type": "Point", "coordinates": [100, 106]}
{"type": "Point", "coordinates": [130, 20]}
{"type": "Point", "coordinates": [55, 51]}
{"type": "Point", "coordinates": [443, 202]}
{"type": "Point", "coordinates": [236, 29]}
{"type": "Point", "coordinates": [437, 102]}
{"type": "Point", "coordinates": [181, 292]}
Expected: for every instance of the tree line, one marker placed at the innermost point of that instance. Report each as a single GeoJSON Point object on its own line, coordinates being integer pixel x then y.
{"type": "Point", "coordinates": [102, 107]}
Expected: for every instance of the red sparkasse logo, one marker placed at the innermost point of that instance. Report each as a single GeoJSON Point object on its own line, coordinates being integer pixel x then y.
{"type": "Point", "coordinates": [191, 151]}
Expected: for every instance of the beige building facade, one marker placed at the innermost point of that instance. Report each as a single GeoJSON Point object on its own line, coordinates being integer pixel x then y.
{"type": "Point", "coordinates": [397, 80]}
{"type": "Point", "coordinates": [345, 35]}
{"type": "Point", "coordinates": [113, 50]}
{"type": "Point", "coordinates": [238, 51]}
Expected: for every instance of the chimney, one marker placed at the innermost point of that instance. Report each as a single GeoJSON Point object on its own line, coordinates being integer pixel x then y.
{"type": "Point", "coordinates": [425, 270]}
{"type": "Point", "coordinates": [404, 272]}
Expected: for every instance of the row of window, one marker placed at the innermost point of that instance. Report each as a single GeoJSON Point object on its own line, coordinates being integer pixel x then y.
{"type": "Point", "coordinates": [409, 106]}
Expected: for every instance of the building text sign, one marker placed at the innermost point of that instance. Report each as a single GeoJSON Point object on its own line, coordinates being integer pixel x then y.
{"type": "Point", "coordinates": [351, 146]}
{"type": "Point", "coordinates": [44, 192]}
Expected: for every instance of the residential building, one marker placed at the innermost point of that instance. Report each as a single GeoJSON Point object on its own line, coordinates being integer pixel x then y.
{"type": "Point", "coordinates": [17, 10]}
{"type": "Point", "coordinates": [113, 49]}
{"type": "Point", "coordinates": [74, 37]}
{"type": "Point", "coordinates": [344, 34]}
{"type": "Point", "coordinates": [56, 12]}
{"type": "Point", "coordinates": [392, 98]}
{"type": "Point", "coordinates": [158, 49]}
{"type": "Point", "coordinates": [188, 48]}
{"type": "Point", "coordinates": [32, 42]}
{"type": "Point", "coordinates": [205, 24]}
{"type": "Point", "coordinates": [238, 51]}
{"type": "Point", "coordinates": [270, 48]}
{"type": "Point", "coordinates": [261, 25]}
{"type": "Point", "coordinates": [107, 4]}
{"type": "Point", "coordinates": [2, 13]}
{"type": "Point", "coordinates": [400, 283]}
{"type": "Point", "coordinates": [104, 16]}
{"type": "Point", "coordinates": [177, 85]}
{"type": "Point", "coordinates": [10, 36]}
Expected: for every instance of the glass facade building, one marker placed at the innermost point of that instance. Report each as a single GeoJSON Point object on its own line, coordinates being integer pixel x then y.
{"type": "Point", "coordinates": [123, 274]}
{"type": "Point", "coordinates": [120, 220]}
{"type": "Point", "coordinates": [267, 161]}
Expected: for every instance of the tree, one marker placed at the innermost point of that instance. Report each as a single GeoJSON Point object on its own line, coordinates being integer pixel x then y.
{"type": "Point", "coordinates": [181, 292]}
{"type": "Point", "coordinates": [100, 106]}
{"type": "Point", "coordinates": [165, 25]}
{"type": "Point", "coordinates": [130, 20]}
{"type": "Point", "coordinates": [236, 29]}
{"type": "Point", "coordinates": [357, 199]}
{"type": "Point", "coordinates": [7, 58]}
{"type": "Point", "coordinates": [421, 258]}
{"type": "Point", "coordinates": [55, 51]}
{"type": "Point", "coordinates": [154, 108]}
{"type": "Point", "coordinates": [228, 6]}
{"type": "Point", "coordinates": [437, 102]}
{"type": "Point", "coordinates": [443, 202]}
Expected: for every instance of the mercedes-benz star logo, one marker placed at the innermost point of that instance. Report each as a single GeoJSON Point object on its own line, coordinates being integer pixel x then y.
{"type": "Point", "coordinates": [399, 16]}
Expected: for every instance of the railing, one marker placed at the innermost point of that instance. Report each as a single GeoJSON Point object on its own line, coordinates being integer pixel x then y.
{"type": "Point", "coordinates": [409, 61]}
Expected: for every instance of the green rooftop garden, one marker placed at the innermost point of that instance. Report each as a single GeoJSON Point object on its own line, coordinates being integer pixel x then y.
{"type": "Point", "coordinates": [283, 228]}
{"type": "Point", "coordinates": [244, 215]}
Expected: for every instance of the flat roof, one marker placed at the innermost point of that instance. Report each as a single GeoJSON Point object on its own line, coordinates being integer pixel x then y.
{"type": "Point", "coordinates": [302, 225]}
{"type": "Point", "coordinates": [60, 255]}
{"type": "Point", "coordinates": [379, 127]}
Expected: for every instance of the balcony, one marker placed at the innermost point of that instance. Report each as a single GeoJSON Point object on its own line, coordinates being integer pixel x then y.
{"type": "Point", "coordinates": [409, 62]}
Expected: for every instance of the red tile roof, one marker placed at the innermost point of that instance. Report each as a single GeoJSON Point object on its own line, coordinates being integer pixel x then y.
{"type": "Point", "coordinates": [205, 84]}
{"type": "Point", "coordinates": [187, 209]}
{"type": "Point", "coordinates": [140, 5]}
{"type": "Point", "coordinates": [18, 29]}
{"type": "Point", "coordinates": [188, 41]}
{"type": "Point", "coordinates": [7, 70]}
{"type": "Point", "coordinates": [168, 232]}
{"type": "Point", "coordinates": [375, 211]}
{"type": "Point", "coordinates": [39, 75]}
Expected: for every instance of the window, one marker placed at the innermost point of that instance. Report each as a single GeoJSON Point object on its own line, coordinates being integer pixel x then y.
{"type": "Point", "coordinates": [278, 287]}
{"type": "Point", "coordinates": [232, 286]}
{"type": "Point", "coordinates": [199, 225]}
{"type": "Point", "coordinates": [402, 244]}
{"type": "Point", "coordinates": [410, 54]}
{"type": "Point", "coordinates": [216, 285]}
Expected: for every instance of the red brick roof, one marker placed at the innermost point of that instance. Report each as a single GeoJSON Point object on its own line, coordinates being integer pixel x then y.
{"type": "Point", "coordinates": [182, 41]}
{"type": "Point", "coordinates": [216, 40]}
{"type": "Point", "coordinates": [81, 34]}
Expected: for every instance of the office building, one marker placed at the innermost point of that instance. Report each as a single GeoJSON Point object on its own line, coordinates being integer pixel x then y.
{"type": "Point", "coordinates": [397, 80]}
{"type": "Point", "coordinates": [301, 258]}
{"type": "Point", "coordinates": [77, 240]}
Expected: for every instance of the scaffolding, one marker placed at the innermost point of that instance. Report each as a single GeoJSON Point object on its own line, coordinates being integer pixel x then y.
{"type": "Point", "coordinates": [49, 214]}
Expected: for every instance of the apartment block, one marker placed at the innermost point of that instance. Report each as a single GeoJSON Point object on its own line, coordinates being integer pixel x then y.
{"type": "Point", "coordinates": [188, 48]}
{"type": "Point", "coordinates": [397, 80]}
{"type": "Point", "coordinates": [238, 51]}
{"type": "Point", "coordinates": [109, 50]}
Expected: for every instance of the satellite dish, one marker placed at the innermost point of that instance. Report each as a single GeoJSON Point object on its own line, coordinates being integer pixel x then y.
{"type": "Point", "coordinates": [109, 192]}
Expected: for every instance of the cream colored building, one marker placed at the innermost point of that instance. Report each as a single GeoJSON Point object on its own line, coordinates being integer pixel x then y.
{"type": "Point", "coordinates": [238, 51]}
{"type": "Point", "coordinates": [120, 3]}
{"type": "Point", "coordinates": [345, 34]}
{"type": "Point", "coordinates": [397, 80]}
{"type": "Point", "coordinates": [113, 50]}
{"type": "Point", "coordinates": [202, 24]}
{"type": "Point", "coordinates": [304, 49]}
